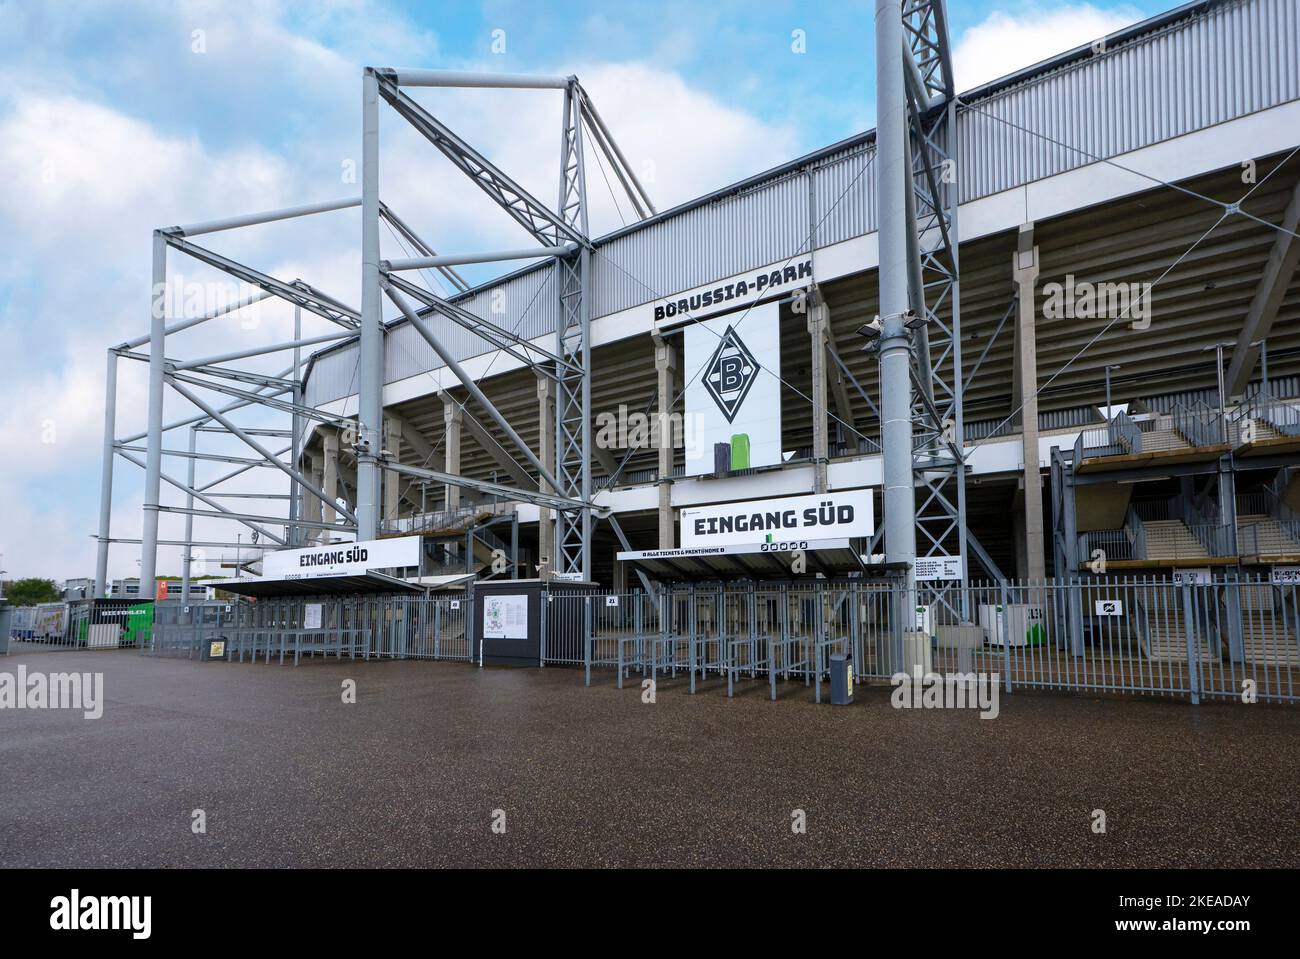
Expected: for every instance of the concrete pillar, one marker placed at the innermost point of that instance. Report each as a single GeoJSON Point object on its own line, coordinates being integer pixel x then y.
{"type": "Point", "coordinates": [546, 453]}
{"type": "Point", "coordinates": [666, 383]}
{"type": "Point", "coordinates": [392, 489]}
{"type": "Point", "coordinates": [453, 416]}
{"type": "Point", "coordinates": [620, 574]}
{"type": "Point", "coordinates": [819, 323]}
{"type": "Point", "coordinates": [311, 506]}
{"type": "Point", "coordinates": [1024, 266]}
{"type": "Point", "coordinates": [330, 484]}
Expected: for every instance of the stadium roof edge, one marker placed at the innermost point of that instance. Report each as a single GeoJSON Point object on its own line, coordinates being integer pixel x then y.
{"type": "Point", "coordinates": [1124, 35]}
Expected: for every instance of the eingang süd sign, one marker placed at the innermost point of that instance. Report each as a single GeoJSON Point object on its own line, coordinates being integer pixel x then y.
{"type": "Point", "coordinates": [787, 521]}
{"type": "Point", "coordinates": [342, 559]}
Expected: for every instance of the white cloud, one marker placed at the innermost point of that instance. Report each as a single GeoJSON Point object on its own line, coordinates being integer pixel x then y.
{"type": "Point", "coordinates": [91, 182]}
{"type": "Point", "coordinates": [1004, 43]}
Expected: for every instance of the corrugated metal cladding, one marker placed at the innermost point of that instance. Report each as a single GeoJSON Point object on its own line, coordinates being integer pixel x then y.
{"type": "Point", "coordinates": [1229, 61]}
{"type": "Point", "coordinates": [733, 234]}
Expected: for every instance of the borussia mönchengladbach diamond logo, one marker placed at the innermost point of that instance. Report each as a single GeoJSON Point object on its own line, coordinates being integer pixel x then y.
{"type": "Point", "coordinates": [730, 373]}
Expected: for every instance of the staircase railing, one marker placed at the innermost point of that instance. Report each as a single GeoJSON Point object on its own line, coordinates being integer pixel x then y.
{"type": "Point", "coordinates": [1282, 415]}
{"type": "Point", "coordinates": [1124, 433]}
{"type": "Point", "coordinates": [1252, 541]}
{"type": "Point", "coordinates": [1137, 533]}
{"type": "Point", "coordinates": [1198, 422]}
{"type": "Point", "coordinates": [1207, 526]}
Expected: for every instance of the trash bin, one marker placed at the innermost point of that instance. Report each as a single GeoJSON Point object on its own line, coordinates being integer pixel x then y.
{"type": "Point", "coordinates": [841, 679]}
{"type": "Point", "coordinates": [213, 649]}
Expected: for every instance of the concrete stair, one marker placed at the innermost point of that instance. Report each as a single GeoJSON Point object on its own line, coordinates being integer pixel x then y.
{"type": "Point", "coordinates": [1264, 430]}
{"type": "Point", "coordinates": [1171, 539]}
{"type": "Point", "coordinates": [1160, 626]}
{"type": "Point", "coordinates": [1261, 535]}
{"type": "Point", "coordinates": [1266, 641]}
{"type": "Point", "coordinates": [1164, 437]}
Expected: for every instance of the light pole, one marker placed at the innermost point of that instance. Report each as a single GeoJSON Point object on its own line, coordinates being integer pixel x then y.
{"type": "Point", "coordinates": [1109, 408]}
{"type": "Point", "coordinates": [1263, 365]}
{"type": "Point", "coordinates": [1223, 398]}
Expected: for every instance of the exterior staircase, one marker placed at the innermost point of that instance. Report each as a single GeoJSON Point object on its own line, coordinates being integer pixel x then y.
{"type": "Point", "coordinates": [1163, 436]}
{"type": "Point", "coordinates": [1259, 534]}
{"type": "Point", "coordinates": [1163, 634]}
{"type": "Point", "coordinates": [1262, 430]}
{"type": "Point", "coordinates": [1268, 638]}
{"type": "Point", "coordinates": [1171, 539]}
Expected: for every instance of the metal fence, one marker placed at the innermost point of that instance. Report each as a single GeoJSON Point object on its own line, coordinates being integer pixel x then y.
{"type": "Point", "coordinates": [392, 627]}
{"type": "Point", "coordinates": [84, 624]}
{"type": "Point", "coordinates": [1233, 638]}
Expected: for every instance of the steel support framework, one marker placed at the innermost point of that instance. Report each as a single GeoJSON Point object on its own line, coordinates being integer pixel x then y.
{"type": "Point", "coordinates": [938, 460]}
{"type": "Point", "coordinates": [562, 233]}
{"type": "Point", "coordinates": [205, 373]}
{"type": "Point", "coordinates": [573, 344]}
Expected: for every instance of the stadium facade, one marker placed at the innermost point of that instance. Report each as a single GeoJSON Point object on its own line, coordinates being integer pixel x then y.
{"type": "Point", "coordinates": [1122, 333]}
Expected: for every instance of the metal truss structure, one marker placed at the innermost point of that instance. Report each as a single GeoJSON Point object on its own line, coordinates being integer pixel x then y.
{"type": "Point", "coordinates": [934, 285]}
{"type": "Point", "coordinates": [918, 199]}
{"type": "Point", "coordinates": [564, 486]}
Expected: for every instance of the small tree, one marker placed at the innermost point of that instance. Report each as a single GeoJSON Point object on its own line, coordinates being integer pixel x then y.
{"type": "Point", "coordinates": [29, 592]}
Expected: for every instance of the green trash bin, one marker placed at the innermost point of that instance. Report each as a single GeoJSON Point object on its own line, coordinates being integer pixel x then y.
{"type": "Point", "coordinates": [740, 451]}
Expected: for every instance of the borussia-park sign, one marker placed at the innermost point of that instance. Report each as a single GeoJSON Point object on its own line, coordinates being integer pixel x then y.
{"type": "Point", "coordinates": [818, 517]}
{"type": "Point", "coordinates": [734, 292]}
{"type": "Point", "coordinates": [342, 559]}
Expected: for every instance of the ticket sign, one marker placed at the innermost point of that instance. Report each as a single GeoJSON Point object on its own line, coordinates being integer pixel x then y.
{"type": "Point", "coordinates": [934, 568]}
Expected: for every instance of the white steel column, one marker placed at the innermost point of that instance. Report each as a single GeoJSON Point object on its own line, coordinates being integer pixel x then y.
{"type": "Point", "coordinates": [893, 180]}
{"type": "Point", "coordinates": [106, 477]}
{"type": "Point", "coordinates": [189, 518]}
{"type": "Point", "coordinates": [370, 411]}
{"type": "Point", "coordinates": [546, 453]}
{"type": "Point", "coordinates": [295, 488]}
{"type": "Point", "coordinates": [153, 456]}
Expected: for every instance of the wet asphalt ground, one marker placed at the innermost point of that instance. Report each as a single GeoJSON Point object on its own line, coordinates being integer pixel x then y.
{"type": "Point", "coordinates": [410, 775]}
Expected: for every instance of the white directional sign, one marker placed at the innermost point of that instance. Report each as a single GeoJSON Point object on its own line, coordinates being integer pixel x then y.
{"type": "Point", "coordinates": [342, 559]}
{"type": "Point", "coordinates": [789, 519]}
{"type": "Point", "coordinates": [1285, 576]}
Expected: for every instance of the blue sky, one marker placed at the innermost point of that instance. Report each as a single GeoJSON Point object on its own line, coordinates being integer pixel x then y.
{"type": "Point", "coordinates": [119, 117]}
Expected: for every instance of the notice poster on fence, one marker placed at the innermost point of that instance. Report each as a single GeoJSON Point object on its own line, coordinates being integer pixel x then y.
{"type": "Point", "coordinates": [311, 616]}
{"type": "Point", "coordinates": [505, 617]}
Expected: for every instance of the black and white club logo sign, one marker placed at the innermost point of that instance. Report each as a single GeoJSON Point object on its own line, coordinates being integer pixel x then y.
{"type": "Point", "coordinates": [730, 373]}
